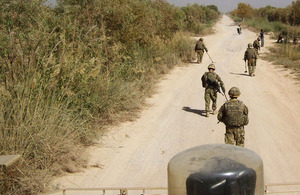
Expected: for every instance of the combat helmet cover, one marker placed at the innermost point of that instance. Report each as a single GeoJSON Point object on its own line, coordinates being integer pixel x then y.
{"type": "Point", "coordinates": [250, 45]}
{"type": "Point", "coordinates": [234, 92]}
{"type": "Point", "coordinates": [201, 39]}
{"type": "Point", "coordinates": [211, 66]}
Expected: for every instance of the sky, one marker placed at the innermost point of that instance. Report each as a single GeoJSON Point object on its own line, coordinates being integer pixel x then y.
{"type": "Point", "coordinates": [225, 6]}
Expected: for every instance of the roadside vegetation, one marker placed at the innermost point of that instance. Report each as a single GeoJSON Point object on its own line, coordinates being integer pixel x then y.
{"type": "Point", "coordinates": [275, 21]}
{"type": "Point", "coordinates": [67, 72]}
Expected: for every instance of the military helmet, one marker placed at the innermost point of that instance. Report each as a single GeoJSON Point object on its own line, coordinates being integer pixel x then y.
{"type": "Point", "coordinates": [211, 66]}
{"type": "Point", "coordinates": [201, 39]}
{"type": "Point", "coordinates": [250, 45]}
{"type": "Point", "coordinates": [234, 92]}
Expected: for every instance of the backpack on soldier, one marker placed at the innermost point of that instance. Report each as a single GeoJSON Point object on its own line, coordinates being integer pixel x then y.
{"type": "Point", "coordinates": [199, 45]}
{"type": "Point", "coordinates": [250, 53]}
{"type": "Point", "coordinates": [209, 79]}
{"type": "Point", "coordinates": [234, 115]}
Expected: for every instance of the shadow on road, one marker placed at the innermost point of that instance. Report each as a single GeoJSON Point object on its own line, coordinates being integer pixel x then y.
{"type": "Point", "coordinates": [242, 74]}
{"type": "Point", "coordinates": [199, 112]}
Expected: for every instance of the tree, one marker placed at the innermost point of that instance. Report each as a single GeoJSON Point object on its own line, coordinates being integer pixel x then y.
{"type": "Point", "coordinates": [244, 11]}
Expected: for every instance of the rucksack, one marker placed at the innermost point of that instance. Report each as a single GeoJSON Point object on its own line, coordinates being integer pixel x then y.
{"type": "Point", "coordinates": [234, 115]}
{"type": "Point", "coordinates": [209, 79]}
{"type": "Point", "coordinates": [199, 45]}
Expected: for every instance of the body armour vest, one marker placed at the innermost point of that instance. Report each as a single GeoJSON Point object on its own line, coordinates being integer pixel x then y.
{"type": "Point", "coordinates": [210, 80]}
{"type": "Point", "coordinates": [250, 53]}
{"type": "Point", "coordinates": [199, 45]}
{"type": "Point", "coordinates": [234, 114]}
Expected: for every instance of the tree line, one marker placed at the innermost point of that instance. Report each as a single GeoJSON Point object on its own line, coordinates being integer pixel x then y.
{"type": "Point", "coordinates": [288, 15]}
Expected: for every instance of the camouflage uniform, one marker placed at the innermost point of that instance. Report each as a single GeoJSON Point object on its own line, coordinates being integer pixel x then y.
{"type": "Point", "coordinates": [199, 48]}
{"type": "Point", "coordinates": [256, 45]}
{"type": "Point", "coordinates": [211, 82]}
{"type": "Point", "coordinates": [234, 114]}
{"type": "Point", "coordinates": [251, 56]}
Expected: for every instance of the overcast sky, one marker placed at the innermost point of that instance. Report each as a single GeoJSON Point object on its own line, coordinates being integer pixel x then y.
{"type": "Point", "coordinates": [229, 5]}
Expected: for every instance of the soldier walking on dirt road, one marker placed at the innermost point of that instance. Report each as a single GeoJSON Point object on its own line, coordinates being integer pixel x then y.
{"type": "Point", "coordinates": [211, 82]}
{"type": "Point", "coordinates": [199, 48]}
{"type": "Point", "coordinates": [251, 56]}
{"type": "Point", "coordinates": [234, 114]}
{"type": "Point", "coordinates": [256, 44]}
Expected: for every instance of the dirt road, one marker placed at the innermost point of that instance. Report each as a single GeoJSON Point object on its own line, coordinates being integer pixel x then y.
{"type": "Point", "coordinates": [137, 153]}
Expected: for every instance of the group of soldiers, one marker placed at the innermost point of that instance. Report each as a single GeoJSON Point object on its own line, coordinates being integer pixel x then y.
{"type": "Point", "coordinates": [233, 113]}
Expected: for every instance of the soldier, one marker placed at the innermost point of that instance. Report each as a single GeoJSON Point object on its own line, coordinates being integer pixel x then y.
{"type": "Point", "coordinates": [279, 40]}
{"type": "Point", "coordinates": [234, 114]}
{"type": "Point", "coordinates": [199, 48]}
{"type": "Point", "coordinates": [256, 44]}
{"type": "Point", "coordinates": [211, 82]}
{"type": "Point", "coordinates": [251, 56]}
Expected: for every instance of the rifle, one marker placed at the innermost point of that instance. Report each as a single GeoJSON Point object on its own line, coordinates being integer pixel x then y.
{"type": "Point", "coordinates": [217, 87]}
{"type": "Point", "coordinates": [245, 67]}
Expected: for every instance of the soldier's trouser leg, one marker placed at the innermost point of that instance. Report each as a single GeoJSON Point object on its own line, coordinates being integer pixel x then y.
{"type": "Point", "coordinates": [210, 94]}
{"type": "Point", "coordinates": [250, 69]}
{"type": "Point", "coordinates": [235, 136]}
{"type": "Point", "coordinates": [239, 136]}
{"type": "Point", "coordinates": [250, 66]}
{"type": "Point", "coordinates": [199, 56]}
{"type": "Point", "coordinates": [229, 136]}
{"type": "Point", "coordinates": [207, 99]}
{"type": "Point", "coordinates": [254, 66]}
{"type": "Point", "coordinates": [214, 99]}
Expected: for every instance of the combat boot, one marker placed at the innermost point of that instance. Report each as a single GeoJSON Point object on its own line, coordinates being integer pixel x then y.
{"type": "Point", "coordinates": [207, 113]}
{"type": "Point", "coordinates": [215, 112]}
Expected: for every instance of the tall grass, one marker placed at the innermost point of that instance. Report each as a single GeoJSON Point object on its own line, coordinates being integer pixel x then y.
{"type": "Point", "coordinates": [67, 72]}
{"type": "Point", "coordinates": [287, 55]}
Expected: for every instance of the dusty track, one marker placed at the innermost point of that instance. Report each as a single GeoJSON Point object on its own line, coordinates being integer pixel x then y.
{"type": "Point", "coordinates": [137, 153]}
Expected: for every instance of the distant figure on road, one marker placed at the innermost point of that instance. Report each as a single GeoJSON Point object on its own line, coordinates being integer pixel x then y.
{"type": "Point", "coordinates": [295, 41]}
{"type": "Point", "coordinates": [262, 37]}
{"type": "Point", "coordinates": [199, 48]}
{"type": "Point", "coordinates": [239, 29]}
{"type": "Point", "coordinates": [280, 37]}
{"type": "Point", "coordinates": [251, 56]}
{"type": "Point", "coordinates": [211, 82]}
{"type": "Point", "coordinates": [234, 114]}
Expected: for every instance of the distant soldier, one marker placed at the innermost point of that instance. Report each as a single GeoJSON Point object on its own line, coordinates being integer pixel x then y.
{"type": "Point", "coordinates": [256, 44]}
{"type": "Point", "coordinates": [211, 82]}
{"type": "Point", "coordinates": [199, 48]}
{"type": "Point", "coordinates": [234, 114]}
{"type": "Point", "coordinates": [295, 41]}
{"type": "Point", "coordinates": [251, 56]}
{"type": "Point", "coordinates": [279, 40]}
